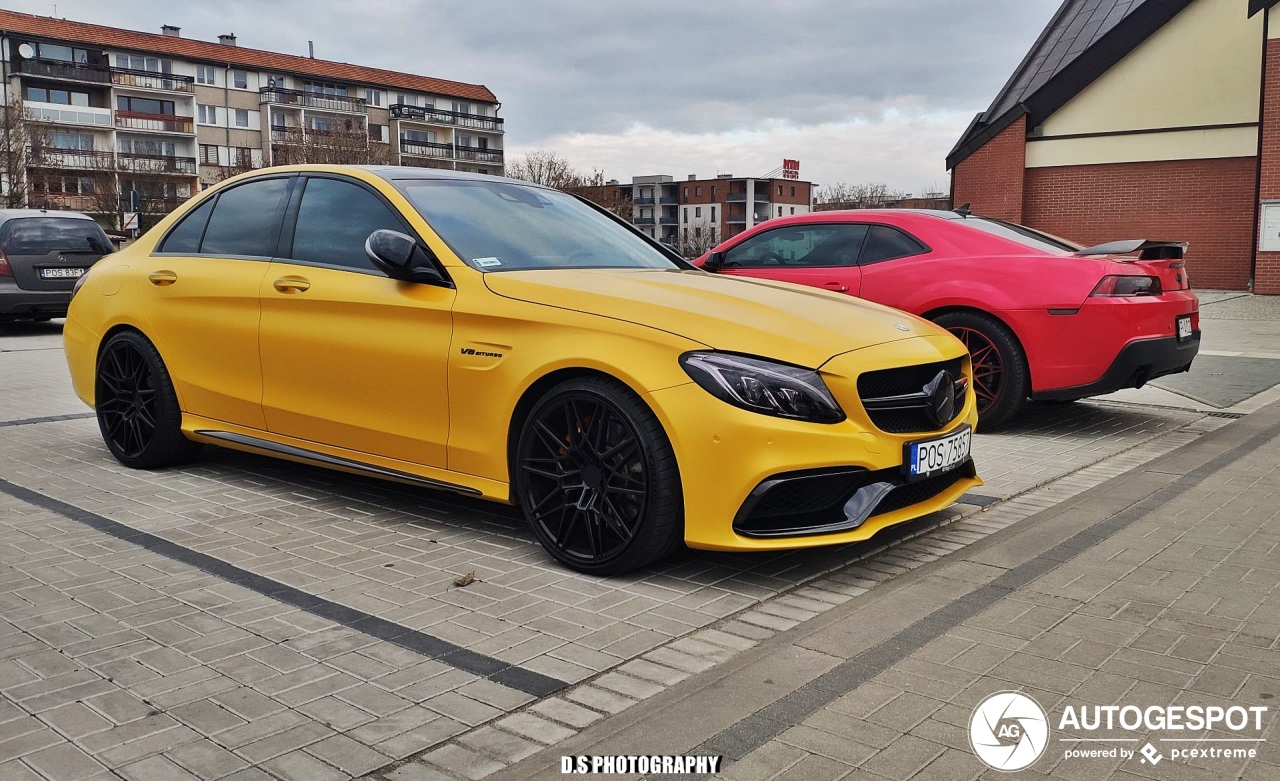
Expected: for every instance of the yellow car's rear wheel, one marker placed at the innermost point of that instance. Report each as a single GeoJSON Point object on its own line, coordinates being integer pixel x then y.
{"type": "Point", "coordinates": [136, 405]}
{"type": "Point", "coordinates": [597, 478]}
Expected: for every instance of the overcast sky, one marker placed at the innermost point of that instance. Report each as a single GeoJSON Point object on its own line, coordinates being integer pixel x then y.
{"type": "Point", "coordinates": [856, 90]}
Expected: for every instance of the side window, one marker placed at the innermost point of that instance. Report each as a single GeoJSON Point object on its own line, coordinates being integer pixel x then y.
{"type": "Point", "coordinates": [246, 220]}
{"type": "Point", "coordinates": [885, 243]}
{"type": "Point", "coordinates": [334, 220]}
{"type": "Point", "coordinates": [185, 237]}
{"type": "Point", "coordinates": [803, 246]}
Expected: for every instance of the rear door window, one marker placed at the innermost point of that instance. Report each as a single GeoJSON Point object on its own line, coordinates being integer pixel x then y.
{"type": "Point", "coordinates": [185, 238]}
{"type": "Point", "coordinates": [42, 235]}
{"type": "Point", "coordinates": [885, 243]}
{"type": "Point", "coordinates": [246, 219]}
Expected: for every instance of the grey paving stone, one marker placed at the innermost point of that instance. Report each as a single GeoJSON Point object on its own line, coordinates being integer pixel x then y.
{"type": "Point", "coordinates": [463, 762]}
{"type": "Point", "coordinates": [534, 727]}
{"type": "Point", "coordinates": [300, 766]}
{"type": "Point", "coordinates": [348, 755]}
{"type": "Point", "coordinates": [502, 746]}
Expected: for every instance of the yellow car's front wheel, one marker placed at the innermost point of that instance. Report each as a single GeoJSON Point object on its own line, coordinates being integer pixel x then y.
{"type": "Point", "coordinates": [597, 478]}
{"type": "Point", "coordinates": [136, 405]}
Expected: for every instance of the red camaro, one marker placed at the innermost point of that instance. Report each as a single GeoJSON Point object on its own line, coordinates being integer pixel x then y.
{"type": "Point", "coordinates": [1043, 318]}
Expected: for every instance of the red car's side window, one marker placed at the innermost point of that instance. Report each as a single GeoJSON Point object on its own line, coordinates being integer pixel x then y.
{"type": "Point", "coordinates": [885, 243]}
{"type": "Point", "coordinates": [806, 246]}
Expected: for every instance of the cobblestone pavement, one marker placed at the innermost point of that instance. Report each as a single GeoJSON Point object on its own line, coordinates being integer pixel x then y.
{"type": "Point", "coordinates": [251, 618]}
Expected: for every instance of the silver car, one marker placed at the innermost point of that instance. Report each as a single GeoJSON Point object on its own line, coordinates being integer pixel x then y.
{"type": "Point", "coordinates": [42, 254]}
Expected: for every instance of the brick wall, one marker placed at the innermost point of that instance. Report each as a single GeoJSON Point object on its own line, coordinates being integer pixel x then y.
{"type": "Point", "coordinates": [1206, 202]}
{"type": "Point", "coordinates": [992, 178]}
{"type": "Point", "coordinates": [1267, 279]}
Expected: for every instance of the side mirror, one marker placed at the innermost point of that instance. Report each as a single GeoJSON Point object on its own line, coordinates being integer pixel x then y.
{"type": "Point", "coordinates": [401, 257]}
{"type": "Point", "coordinates": [715, 261]}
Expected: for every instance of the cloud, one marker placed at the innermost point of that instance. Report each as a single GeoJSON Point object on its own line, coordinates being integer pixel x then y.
{"type": "Point", "coordinates": [861, 90]}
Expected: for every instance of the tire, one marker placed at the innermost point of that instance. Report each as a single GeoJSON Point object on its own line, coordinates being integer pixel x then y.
{"type": "Point", "coordinates": [1000, 377]}
{"type": "Point", "coordinates": [136, 405]}
{"type": "Point", "coordinates": [597, 479]}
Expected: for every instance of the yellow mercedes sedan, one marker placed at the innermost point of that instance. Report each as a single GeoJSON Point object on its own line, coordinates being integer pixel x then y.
{"type": "Point", "coordinates": [508, 341]}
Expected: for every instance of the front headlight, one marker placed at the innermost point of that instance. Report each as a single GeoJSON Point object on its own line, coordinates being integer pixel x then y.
{"type": "Point", "coordinates": [763, 386]}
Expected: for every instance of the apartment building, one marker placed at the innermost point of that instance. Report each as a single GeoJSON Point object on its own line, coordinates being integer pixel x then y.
{"type": "Point", "coordinates": [696, 214]}
{"type": "Point", "coordinates": [126, 125]}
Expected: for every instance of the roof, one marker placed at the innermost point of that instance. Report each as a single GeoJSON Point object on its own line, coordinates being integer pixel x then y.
{"type": "Point", "coordinates": [1080, 43]}
{"type": "Point", "coordinates": [220, 53]}
{"type": "Point", "coordinates": [8, 214]}
{"type": "Point", "coordinates": [1260, 5]}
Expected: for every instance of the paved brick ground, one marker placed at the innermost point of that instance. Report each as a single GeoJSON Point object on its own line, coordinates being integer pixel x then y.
{"type": "Point", "coordinates": [115, 659]}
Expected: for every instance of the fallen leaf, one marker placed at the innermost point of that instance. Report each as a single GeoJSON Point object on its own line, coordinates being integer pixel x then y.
{"type": "Point", "coordinates": [465, 580]}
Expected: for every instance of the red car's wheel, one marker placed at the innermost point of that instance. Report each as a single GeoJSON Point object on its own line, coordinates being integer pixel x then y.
{"type": "Point", "coordinates": [999, 367]}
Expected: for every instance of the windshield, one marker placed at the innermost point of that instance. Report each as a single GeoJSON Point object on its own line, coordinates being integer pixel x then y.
{"type": "Point", "coordinates": [42, 235]}
{"type": "Point", "coordinates": [500, 226]}
{"type": "Point", "coordinates": [1022, 234]}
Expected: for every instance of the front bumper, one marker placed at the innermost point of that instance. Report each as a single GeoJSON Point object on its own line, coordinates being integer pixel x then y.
{"type": "Point", "coordinates": [726, 453]}
{"type": "Point", "coordinates": [1137, 364]}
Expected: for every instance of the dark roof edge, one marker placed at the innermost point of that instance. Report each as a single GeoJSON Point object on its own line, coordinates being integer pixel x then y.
{"type": "Point", "coordinates": [1094, 61]}
{"type": "Point", "coordinates": [1053, 22]}
{"type": "Point", "coordinates": [1260, 5]}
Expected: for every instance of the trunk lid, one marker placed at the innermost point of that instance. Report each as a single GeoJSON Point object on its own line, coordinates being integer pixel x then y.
{"type": "Point", "coordinates": [50, 252]}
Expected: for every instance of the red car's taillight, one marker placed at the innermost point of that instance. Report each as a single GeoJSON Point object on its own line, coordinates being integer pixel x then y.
{"type": "Point", "coordinates": [5, 269]}
{"type": "Point", "coordinates": [1127, 285]}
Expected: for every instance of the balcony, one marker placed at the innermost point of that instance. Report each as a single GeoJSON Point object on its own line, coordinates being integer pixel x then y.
{"type": "Point", "coordinates": [166, 82]}
{"type": "Point", "coordinates": [70, 115]}
{"type": "Point", "coordinates": [643, 201]}
{"type": "Point", "coordinates": [668, 221]}
{"type": "Point", "coordinates": [740, 219]}
{"type": "Point", "coordinates": [669, 200]}
{"type": "Point", "coordinates": [479, 154]}
{"type": "Point", "coordinates": [645, 221]}
{"type": "Point", "coordinates": [312, 100]}
{"type": "Point", "coordinates": [67, 71]}
{"type": "Point", "coordinates": [157, 164]}
{"type": "Point", "coordinates": [156, 123]}
{"type": "Point", "coordinates": [426, 149]}
{"type": "Point", "coordinates": [438, 116]}
{"type": "Point", "coordinates": [762, 196]}
{"type": "Point", "coordinates": [736, 197]}
{"type": "Point", "coordinates": [83, 159]}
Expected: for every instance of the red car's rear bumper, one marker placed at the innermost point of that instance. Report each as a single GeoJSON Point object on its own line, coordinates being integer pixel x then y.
{"type": "Point", "coordinates": [1107, 344]}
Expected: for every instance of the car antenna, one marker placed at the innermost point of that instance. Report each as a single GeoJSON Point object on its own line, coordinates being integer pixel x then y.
{"type": "Point", "coordinates": [963, 210]}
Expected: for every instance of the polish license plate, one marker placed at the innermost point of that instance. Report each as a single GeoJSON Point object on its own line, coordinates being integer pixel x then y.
{"type": "Point", "coordinates": [61, 272]}
{"type": "Point", "coordinates": [931, 456]}
{"type": "Point", "coordinates": [1184, 328]}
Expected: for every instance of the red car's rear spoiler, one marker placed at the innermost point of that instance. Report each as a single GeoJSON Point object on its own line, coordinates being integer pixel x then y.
{"type": "Point", "coordinates": [1147, 250]}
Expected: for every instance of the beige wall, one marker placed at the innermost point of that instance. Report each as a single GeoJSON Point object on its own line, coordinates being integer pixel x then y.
{"type": "Point", "coordinates": [1202, 68]}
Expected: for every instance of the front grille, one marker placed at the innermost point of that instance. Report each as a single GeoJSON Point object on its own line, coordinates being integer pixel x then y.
{"type": "Point", "coordinates": [901, 381]}
{"type": "Point", "coordinates": [798, 493]}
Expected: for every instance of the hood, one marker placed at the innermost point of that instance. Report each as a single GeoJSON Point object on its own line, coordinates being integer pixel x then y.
{"type": "Point", "coordinates": [785, 322]}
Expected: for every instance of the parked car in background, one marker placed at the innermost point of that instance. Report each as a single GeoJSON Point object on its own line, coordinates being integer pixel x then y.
{"type": "Point", "coordinates": [1043, 318]}
{"type": "Point", "coordinates": [42, 255]}
{"type": "Point", "coordinates": [507, 341]}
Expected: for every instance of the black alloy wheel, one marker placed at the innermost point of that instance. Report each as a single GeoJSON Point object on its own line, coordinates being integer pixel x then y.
{"type": "Point", "coordinates": [136, 405]}
{"type": "Point", "coordinates": [1000, 377]}
{"type": "Point", "coordinates": [597, 479]}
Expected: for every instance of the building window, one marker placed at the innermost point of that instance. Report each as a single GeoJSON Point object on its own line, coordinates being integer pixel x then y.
{"type": "Point", "coordinates": [464, 108]}
{"type": "Point", "coordinates": [60, 96]}
{"type": "Point", "coordinates": [240, 79]}
{"type": "Point", "coordinates": [208, 154]}
{"type": "Point", "coordinates": [685, 214]}
{"type": "Point", "coordinates": [140, 62]}
{"type": "Point", "coordinates": [377, 132]}
{"type": "Point", "coordinates": [793, 191]}
{"type": "Point", "coordinates": [325, 88]}
{"type": "Point", "coordinates": [406, 100]}
{"type": "Point", "coordinates": [373, 97]}
{"type": "Point", "coordinates": [207, 115]}
{"type": "Point", "coordinates": [205, 74]}
{"type": "Point", "coordinates": [147, 146]}
{"type": "Point", "coordinates": [242, 156]}
{"type": "Point", "coordinates": [242, 117]}
{"type": "Point", "coordinates": [779, 208]}
{"type": "Point", "coordinates": [686, 193]}
{"type": "Point", "coordinates": [145, 105]}
{"type": "Point", "coordinates": [697, 191]}
{"type": "Point", "coordinates": [81, 142]}
{"type": "Point", "coordinates": [713, 214]}
{"type": "Point", "coordinates": [793, 210]}
{"type": "Point", "coordinates": [323, 124]}
{"type": "Point", "coordinates": [51, 51]}
{"type": "Point", "coordinates": [420, 136]}
{"type": "Point", "coordinates": [697, 211]}
{"type": "Point", "coordinates": [779, 189]}
{"type": "Point", "coordinates": [713, 192]}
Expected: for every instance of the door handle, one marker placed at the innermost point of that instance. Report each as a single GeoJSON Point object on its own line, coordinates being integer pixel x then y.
{"type": "Point", "coordinates": [291, 284]}
{"type": "Point", "coordinates": [836, 286]}
{"type": "Point", "coordinates": [162, 278]}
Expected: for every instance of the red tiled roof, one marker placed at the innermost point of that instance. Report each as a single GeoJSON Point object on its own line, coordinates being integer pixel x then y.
{"type": "Point", "coordinates": [116, 38]}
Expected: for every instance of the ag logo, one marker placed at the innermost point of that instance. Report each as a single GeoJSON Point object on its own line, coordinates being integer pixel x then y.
{"type": "Point", "coordinates": [1008, 731]}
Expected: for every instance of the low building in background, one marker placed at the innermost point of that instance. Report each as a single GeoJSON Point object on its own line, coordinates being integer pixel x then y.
{"type": "Point", "coordinates": [125, 125]}
{"type": "Point", "coordinates": [1142, 119]}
